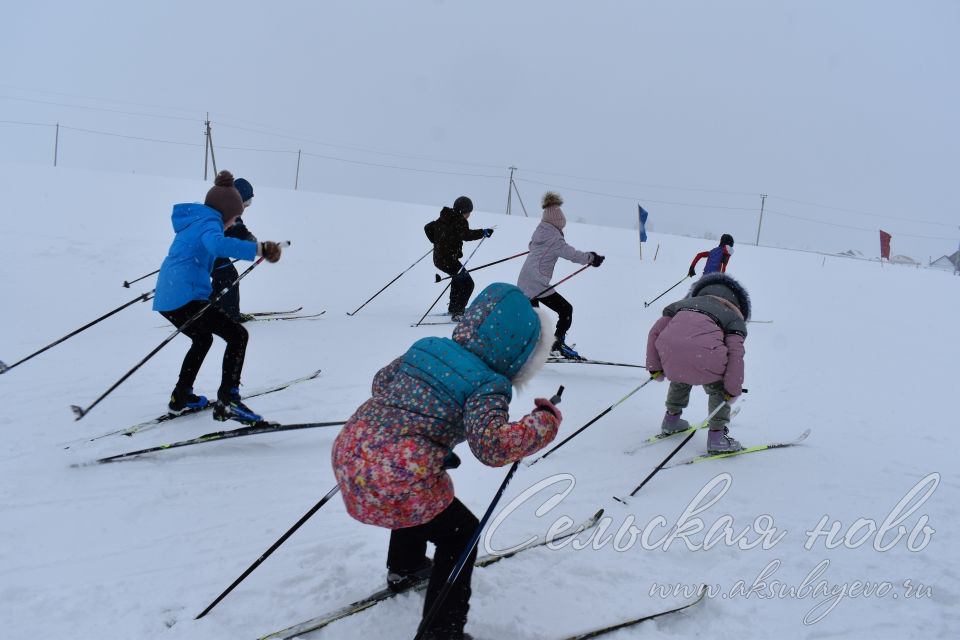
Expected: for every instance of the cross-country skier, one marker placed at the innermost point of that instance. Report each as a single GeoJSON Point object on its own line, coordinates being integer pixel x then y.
{"type": "Point", "coordinates": [717, 258]}
{"type": "Point", "coordinates": [447, 234]}
{"type": "Point", "coordinates": [390, 459]}
{"type": "Point", "coordinates": [224, 273]}
{"type": "Point", "coordinates": [699, 340]}
{"type": "Point", "coordinates": [183, 290]}
{"type": "Point", "coordinates": [546, 247]}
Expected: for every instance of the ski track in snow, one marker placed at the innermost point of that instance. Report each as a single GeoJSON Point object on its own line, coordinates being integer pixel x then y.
{"type": "Point", "coordinates": [865, 356]}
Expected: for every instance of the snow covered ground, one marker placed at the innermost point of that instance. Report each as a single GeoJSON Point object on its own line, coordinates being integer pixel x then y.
{"type": "Point", "coordinates": [866, 356]}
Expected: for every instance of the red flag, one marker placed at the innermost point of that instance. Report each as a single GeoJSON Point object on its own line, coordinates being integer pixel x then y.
{"type": "Point", "coordinates": [885, 244]}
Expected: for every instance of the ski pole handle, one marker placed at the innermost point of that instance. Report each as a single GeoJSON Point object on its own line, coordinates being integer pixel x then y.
{"type": "Point", "coordinates": [555, 399]}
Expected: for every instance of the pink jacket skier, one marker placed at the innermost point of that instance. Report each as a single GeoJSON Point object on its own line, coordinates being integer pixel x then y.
{"type": "Point", "coordinates": [699, 341]}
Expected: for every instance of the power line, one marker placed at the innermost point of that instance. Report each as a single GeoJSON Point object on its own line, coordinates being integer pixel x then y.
{"type": "Point", "coordinates": [32, 124]}
{"type": "Point", "coordinates": [633, 198]}
{"type": "Point", "coordinates": [847, 226]}
{"type": "Point", "coordinates": [103, 109]}
{"type": "Point", "coordinates": [863, 213]}
{"type": "Point", "coordinates": [120, 135]}
{"type": "Point", "coordinates": [642, 184]}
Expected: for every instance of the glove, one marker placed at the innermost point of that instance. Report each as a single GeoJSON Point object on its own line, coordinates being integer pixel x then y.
{"type": "Point", "coordinates": [542, 404]}
{"type": "Point", "coordinates": [691, 273]}
{"type": "Point", "coordinates": [729, 398]}
{"type": "Point", "coordinates": [597, 259]}
{"type": "Point", "coordinates": [657, 375]}
{"type": "Point", "coordinates": [270, 250]}
{"type": "Point", "coordinates": [487, 233]}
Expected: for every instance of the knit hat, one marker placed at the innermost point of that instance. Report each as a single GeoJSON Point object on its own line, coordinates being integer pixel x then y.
{"type": "Point", "coordinates": [462, 205]}
{"type": "Point", "coordinates": [551, 199]}
{"type": "Point", "coordinates": [224, 197]}
{"type": "Point", "coordinates": [245, 189]}
{"type": "Point", "coordinates": [554, 215]}
{"type": "Point", "coordinates": [726, 239]}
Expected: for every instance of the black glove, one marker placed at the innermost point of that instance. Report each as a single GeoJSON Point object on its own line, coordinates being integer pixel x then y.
{"type": "Point", "coordinates": [691, 273]}
{"type": "Point", "coordinates": [597, 259]}
{"type": "Point", "coordinates": [487, 233]}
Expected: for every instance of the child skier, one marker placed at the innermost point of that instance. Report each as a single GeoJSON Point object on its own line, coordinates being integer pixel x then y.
{"type": "Point", "coordinates": [224, 273]}
{"type": "Point", "coordinates": [183, 290]}
{"type": "Point", "coordinates": [546, 247]}
{"type": "Point", "coordinates": [390, 459]}
{"type": "Point", "coordinates": [717, 258]}
{"type": "Point", "coordinates": [699, 340]}
{"type": "Point", "coordinates": [447, 234]}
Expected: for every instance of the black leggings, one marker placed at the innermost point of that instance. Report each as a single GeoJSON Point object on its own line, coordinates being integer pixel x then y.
{"type": "Point", "coordinates": [201, 332]}
{"type": "Point", "coordinates": [461, 285]}
{"type": "Point", "coordinates": [221, 278]}
{"type": "Point", "coordinates": [564, 309]}
{"type": "Point", "coordinates": [450, 531]}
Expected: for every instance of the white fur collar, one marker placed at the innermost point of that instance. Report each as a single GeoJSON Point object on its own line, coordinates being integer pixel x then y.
{"type": "Point", "coordinates": [540, 353]}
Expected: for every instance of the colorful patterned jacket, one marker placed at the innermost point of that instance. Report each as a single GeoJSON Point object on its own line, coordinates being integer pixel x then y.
{"type": "Point", "coordinates": [389, 458]}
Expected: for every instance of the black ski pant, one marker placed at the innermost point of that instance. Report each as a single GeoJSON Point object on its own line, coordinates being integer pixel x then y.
{"type": "Point", "coordinates": [564, 309]}
{"type": "Point", "coordinates": [461, 285]}
{"type": "Point", "coordinates": [222, 277]}
{"type": "Point", "coordinates": [450, 531]}
{"type": "Point", "coordinates": [213, 322]}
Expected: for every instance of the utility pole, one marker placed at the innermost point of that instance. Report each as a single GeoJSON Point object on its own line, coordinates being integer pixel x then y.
{"type": "Point", "coordinates": [296, 180]}
{"type": "Point", "coordinates": [208, 147]}
{"type": "Point", "coordinates": [510, 189]}
{"type": "Point", "coordinates": [56, 144]}
{"type": "Point", "coordinates": [763, 199]}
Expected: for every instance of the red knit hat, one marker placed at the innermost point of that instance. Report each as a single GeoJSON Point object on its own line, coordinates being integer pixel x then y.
{"type": "Point", "coordinates": [224, 197]}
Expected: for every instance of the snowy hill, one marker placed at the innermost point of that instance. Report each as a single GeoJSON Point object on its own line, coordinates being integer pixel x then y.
{"type": "Point", "coordinates": [866, 356]}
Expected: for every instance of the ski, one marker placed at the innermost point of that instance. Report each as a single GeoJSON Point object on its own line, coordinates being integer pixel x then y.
{"type": "Point", "coordinates": [261, 426]}
{"type": "Point", "coordinates": [294, 317]}
{"type": "Point", "coordinates": [150, 424]}
{"type": "Point", "coordinates": [663, 436]}
{"type": "Point", "coordinates": [428, 324]}
{"type": "Point", "coordinates": [263, 314]}
{"type": "Point", "coordinates": [761, 447]}
{"type": "Point", "coordinates": [629, 623]}
{"type": "Point", "coordinates": [589, 361]}
{"type": "Point", "coordinates": [385, 594]}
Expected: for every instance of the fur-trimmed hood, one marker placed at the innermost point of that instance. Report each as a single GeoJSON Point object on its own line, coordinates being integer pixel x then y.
{"type": "Point", "coordinates": [723, 286]}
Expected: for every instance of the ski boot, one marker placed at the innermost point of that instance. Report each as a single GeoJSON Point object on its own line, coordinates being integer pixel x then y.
{"type": "Point", "coordinates": [245, 317]}
{"type": "Point", "coordinates": [232, 408]}
{"type": "Point", "coordinates": [186, 401]}
{"type": "Point", "coordinates": [719, 442]}
{"type": "Point", "coordinates": [398, 580]}
{"type": "Point", "coordinates": [456, 315]}
{"type": "Point", "coordinates": [673, 423]}
{"type": "Point", "coordinates": [560, 349]}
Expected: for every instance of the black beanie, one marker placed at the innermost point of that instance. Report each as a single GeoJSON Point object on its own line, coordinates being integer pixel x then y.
{"type": "Point", "coordinates": [463, 204]}
{"type": "Point", "coordinates": [726, 239]}
{"type": "Point", "coordinates": [224, 197]}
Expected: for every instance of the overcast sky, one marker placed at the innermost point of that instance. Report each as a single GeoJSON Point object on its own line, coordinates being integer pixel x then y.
{"type": "Point", "coordinates": [842, 111]}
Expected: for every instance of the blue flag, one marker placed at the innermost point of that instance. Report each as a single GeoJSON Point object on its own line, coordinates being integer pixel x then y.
{"type": "Point", "coordinates": [643, 223]}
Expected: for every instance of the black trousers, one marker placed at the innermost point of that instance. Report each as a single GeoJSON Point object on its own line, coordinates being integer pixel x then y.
{"type": "Point", "coordinates": [450, 531]}
{"type": "Point", "coordinates": [213, 322]}
{"type": "Point", "coordinates": [461, 285]}
{"type": "Point", "coordinates": [221, 278]}
{"type": "Point", "coordinates": [564, 309]}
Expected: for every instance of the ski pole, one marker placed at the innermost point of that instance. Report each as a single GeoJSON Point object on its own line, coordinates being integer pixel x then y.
{"type": "Point", "coordinates": [561, 282]}
{"type": "Point", "coordinates": [141, 298]}
{"type": "Point", "coordinates": [474, 539]}
{"type": "Point", "coordinates": [600, 415]}
{"type": "Point", "coordinates": [274, 547]}
{"type": "Point", "coordinates": [80, 412]}
{"type": "Point", "coordinates": [126, 285]}
{"type": "Point", "coordinates": [462, 270]}
{"type": "Point", "coordinates": [390, 283]}
{"type": "Point", "coordinates": [672, 453]}
{"type": "Point", "coordinates": [647, 304]}
{"type": "Point", "coordinates": [483, 266]}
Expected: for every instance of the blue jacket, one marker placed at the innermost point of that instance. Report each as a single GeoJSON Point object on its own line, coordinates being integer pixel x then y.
{"type": "Point", "coordinates": [185, 272]}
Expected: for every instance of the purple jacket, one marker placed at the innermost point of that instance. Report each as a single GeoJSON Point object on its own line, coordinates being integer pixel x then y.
{"type": "Point", "coordinates": [699, 340]}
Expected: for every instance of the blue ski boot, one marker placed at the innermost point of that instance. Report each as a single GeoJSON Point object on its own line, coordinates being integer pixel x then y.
{"type": "Point", "coordinates": [185, 401]}
{"type": "Point", "coordinates": [232, 408]}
